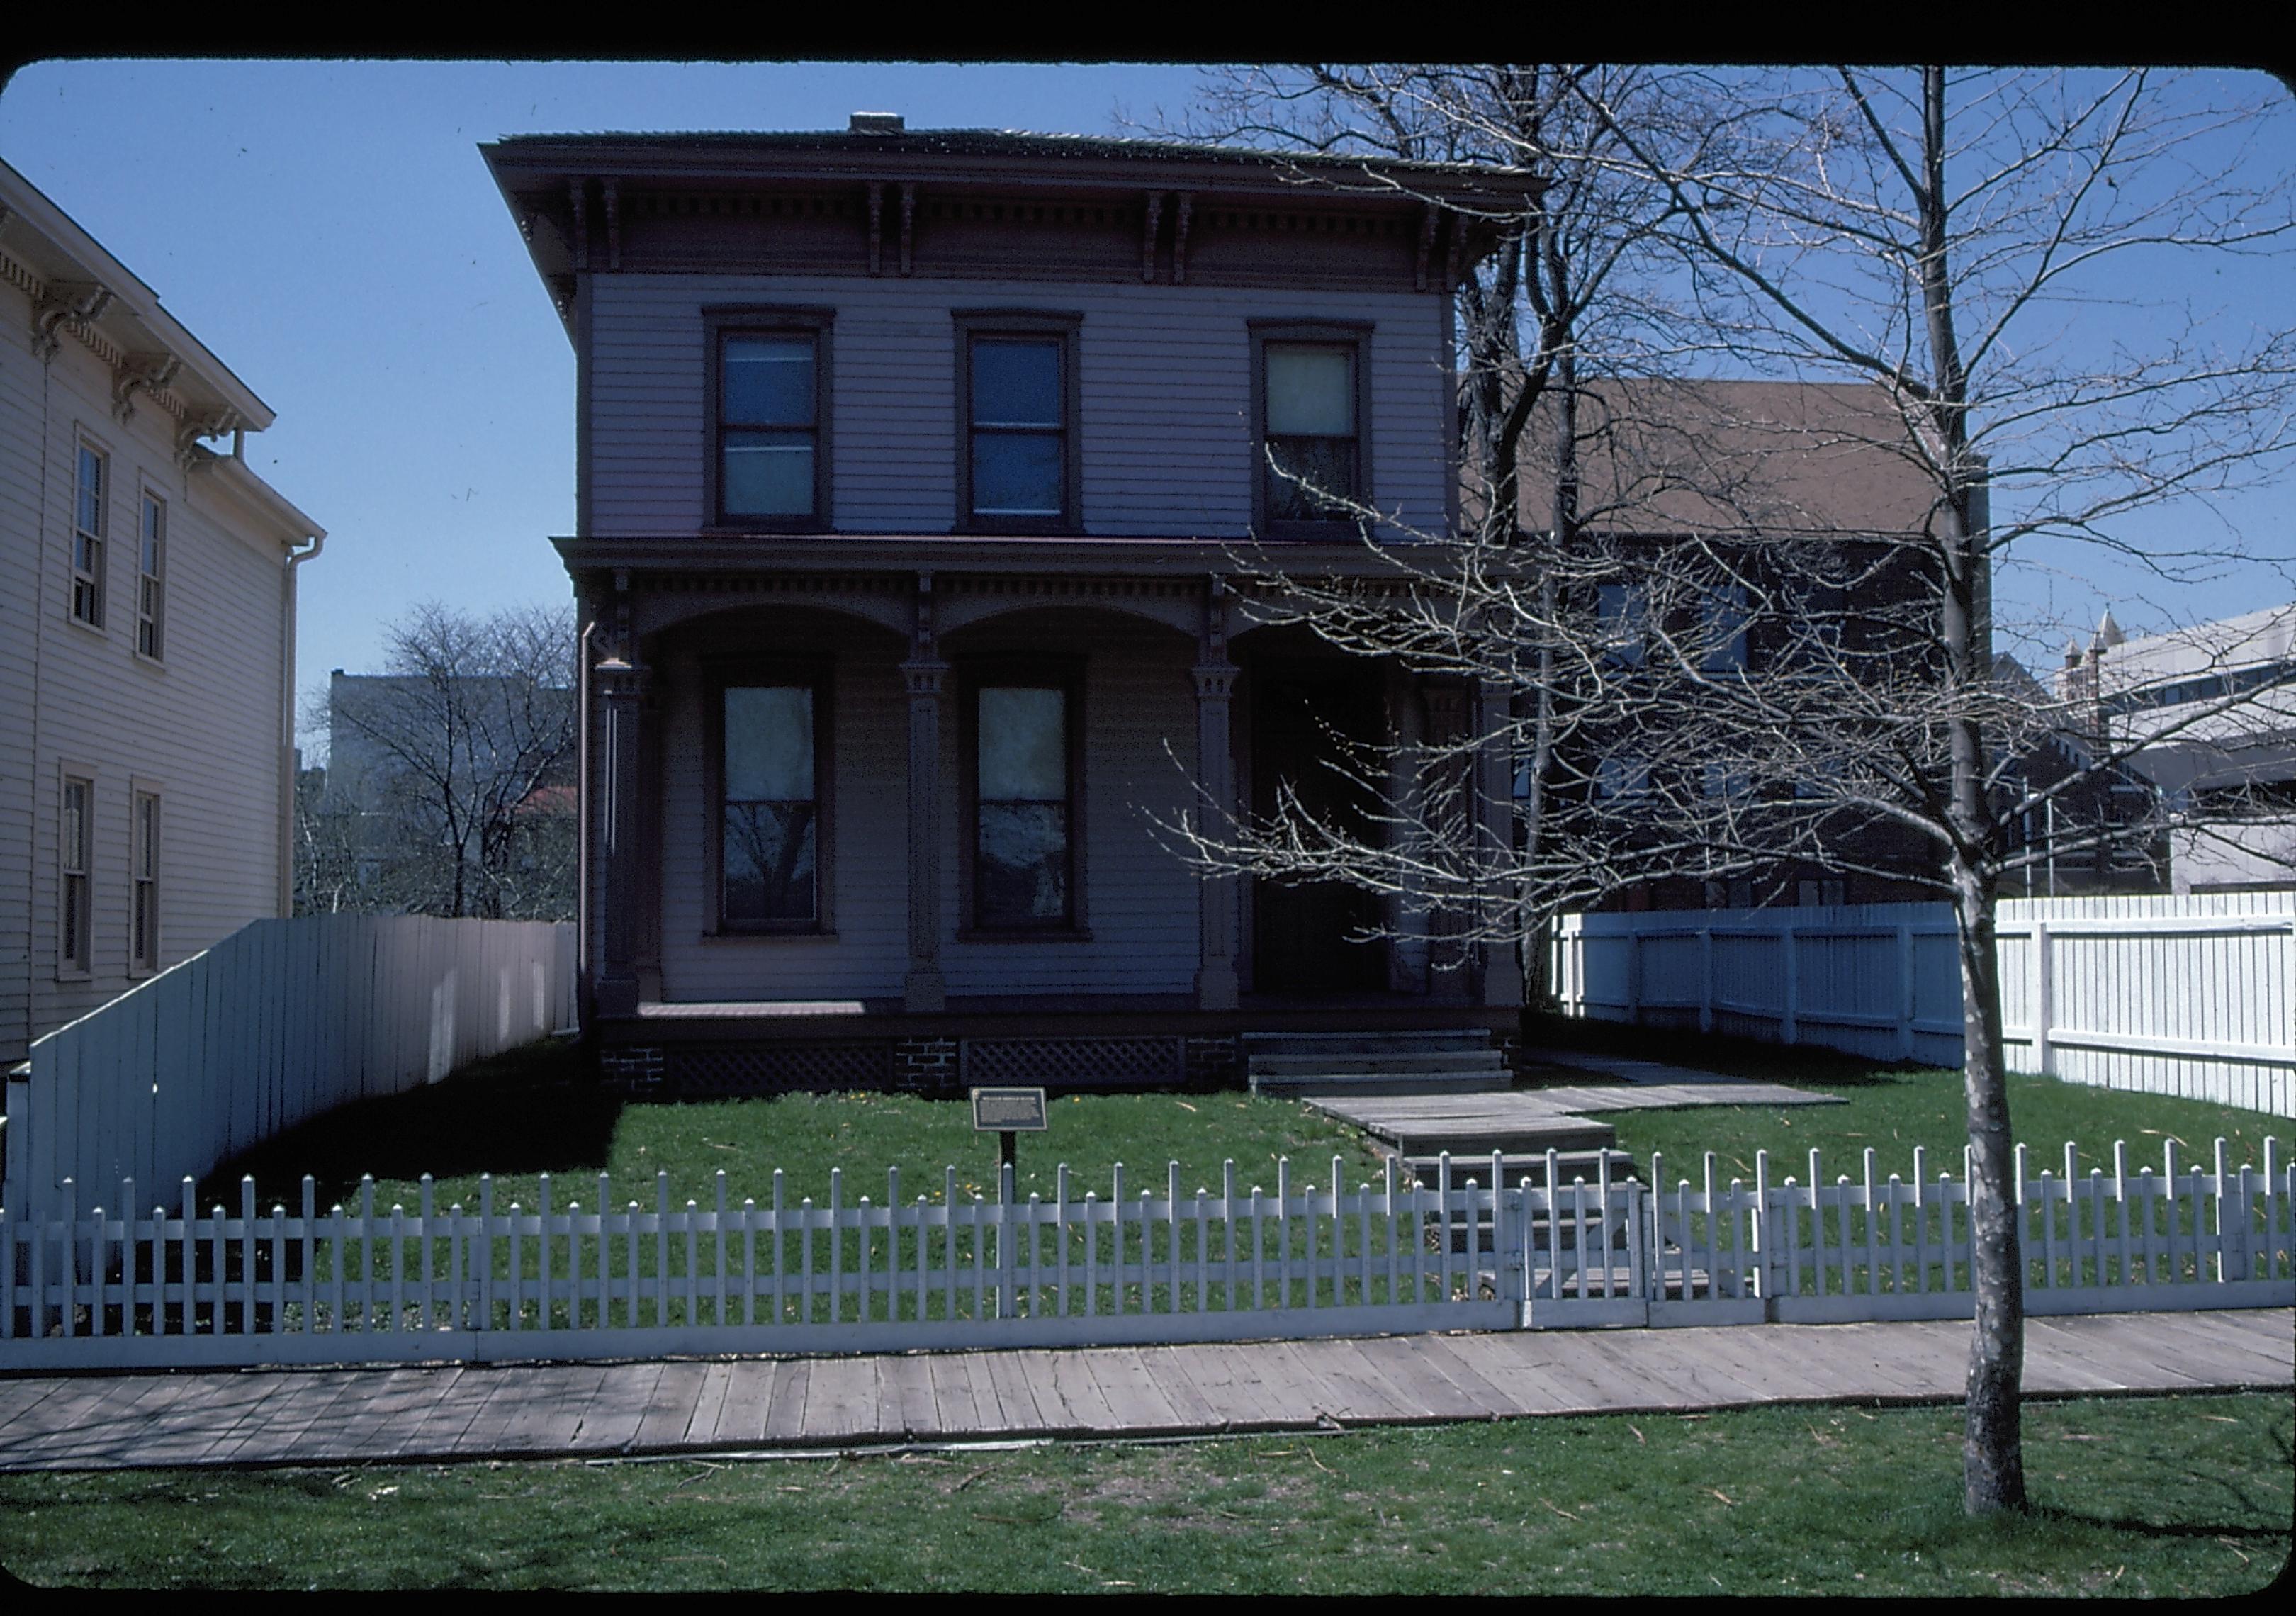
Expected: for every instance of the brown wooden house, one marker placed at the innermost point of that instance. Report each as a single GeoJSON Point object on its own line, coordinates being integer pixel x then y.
{"type": "Point", "coordinates": [913, 470]}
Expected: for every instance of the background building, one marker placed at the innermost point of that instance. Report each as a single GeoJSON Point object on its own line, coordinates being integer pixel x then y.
{"type": "Point", "coordinates": [147, 611]}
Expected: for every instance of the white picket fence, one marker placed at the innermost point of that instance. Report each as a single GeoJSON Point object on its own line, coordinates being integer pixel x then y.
{"type": "Point", "coordinates": [106, 1289]}
{"type": "Point", "coordinates": [2193, 996]}
{"type": "Point", "coordinates": [280, 1021]}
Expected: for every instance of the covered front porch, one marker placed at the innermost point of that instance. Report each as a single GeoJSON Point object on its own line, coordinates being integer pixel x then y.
{"type": "Point", "coordinates": [861, 828]}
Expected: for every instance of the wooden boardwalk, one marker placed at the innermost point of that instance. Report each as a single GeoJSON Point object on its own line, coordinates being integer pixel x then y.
{"type": "Point", "coordinates": [333, 1416]}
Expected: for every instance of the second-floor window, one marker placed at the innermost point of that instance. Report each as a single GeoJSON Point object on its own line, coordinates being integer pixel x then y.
{"type": "Point", "coordinates": [770, 399]}
{"type": "Point", "coordinates": [1308, 397]}
{"type": "Point", "coordinates": [1018, 423]}
{"type": "Point", "coordinates": [88, 502]}
{"type": "Point", "coordinates": [150, 603]}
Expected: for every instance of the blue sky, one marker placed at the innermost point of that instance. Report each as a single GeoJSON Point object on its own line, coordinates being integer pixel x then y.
{"type": "Point", "coordinates": [329, 230]}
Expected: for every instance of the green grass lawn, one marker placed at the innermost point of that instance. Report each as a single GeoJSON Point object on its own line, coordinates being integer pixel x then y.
{"type": "Point", "coordinates": [2145, 1497]}
{"type": "Point", "coordinates": [527, 1113]}
{"type": "Point", "coordinates": [1893, 1110]}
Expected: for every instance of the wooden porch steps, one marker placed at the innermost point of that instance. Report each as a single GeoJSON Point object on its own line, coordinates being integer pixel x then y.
{"type": "Point", "coordinates": [1374, 1063]}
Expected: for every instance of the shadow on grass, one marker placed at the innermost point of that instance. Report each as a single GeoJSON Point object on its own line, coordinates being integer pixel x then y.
{"type": "Point", "coordinates": [1710, 1052]}
{"type": "Point", "coordinates": [530, 1110]}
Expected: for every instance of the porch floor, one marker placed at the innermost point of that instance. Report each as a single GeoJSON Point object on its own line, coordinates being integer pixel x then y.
{"type": "Point", "coordinates": [447, 1412]}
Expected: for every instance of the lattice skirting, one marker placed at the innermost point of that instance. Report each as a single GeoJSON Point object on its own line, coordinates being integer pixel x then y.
{"type": "Point", "coordinates": [772, 1069]}
{"type": "Point", "coordinates": [933, 1066]}
{"type": "Point", "coordinates": [1137, 1062]}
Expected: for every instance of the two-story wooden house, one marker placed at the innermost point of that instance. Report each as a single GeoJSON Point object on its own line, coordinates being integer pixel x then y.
{"type": "Point", "coordinates": [147, 634]}
{"type": "Point", "coordinates": [913, 473]}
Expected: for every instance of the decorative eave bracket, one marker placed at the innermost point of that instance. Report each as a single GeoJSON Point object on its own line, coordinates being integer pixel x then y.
{"type": "Point", "coordinates": [76, 302]}
{"type": "Point", "coordinates": [139, 373]}
{"type": "Point", "coordinates": [196, 427]}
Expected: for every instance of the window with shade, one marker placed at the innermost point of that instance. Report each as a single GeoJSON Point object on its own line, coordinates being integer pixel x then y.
{"type": "Point", "coordinates": [1017, 464]}
{"type": "Point", "coordinates": [769, 843]}
{"type": "Point", "coordinates": [91, 498]}
{"type": "Point", "coordinates": [73, 833]}
{"type": "Point", "coordinates": [1024, 806]}
{"type": "Point", "coordinates": [1308, 400]}
{"type": "Point", "coordinates": [143, 924]}
{"type": "Point", "coordinates": [151, 579]}
{"type": "Point", "coordinates": [770, 408]}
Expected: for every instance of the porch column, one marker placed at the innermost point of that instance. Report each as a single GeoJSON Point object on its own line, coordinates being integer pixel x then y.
{"type": "Point", "coordinates": [621, 700]}
{"type": "Point", "coordinates": [1448, 975]}
{"type": "Point", "coordinates": [924, 989]}
{"type": "Point", "coordinates": [1499, 969]}
{"type": "Point", "coordinates": [1216, 896]}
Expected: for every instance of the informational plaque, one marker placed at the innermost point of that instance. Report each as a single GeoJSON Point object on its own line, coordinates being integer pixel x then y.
{"type": "Point", "coordinates": [1008, 1111]}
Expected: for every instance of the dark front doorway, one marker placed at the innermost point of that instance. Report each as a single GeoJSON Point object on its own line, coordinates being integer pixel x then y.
{"type": "Point", "coordinates": [1301, 930]}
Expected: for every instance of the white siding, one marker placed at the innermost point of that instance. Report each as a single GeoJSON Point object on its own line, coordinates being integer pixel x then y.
{"type": "Point", "coordinates": [202, 729]}
{"type": "Point", "coordinates": [1164, 376]}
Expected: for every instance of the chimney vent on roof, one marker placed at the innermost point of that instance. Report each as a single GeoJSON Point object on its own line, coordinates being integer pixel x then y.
{"type": "Point", "coordinates": [875, 123]}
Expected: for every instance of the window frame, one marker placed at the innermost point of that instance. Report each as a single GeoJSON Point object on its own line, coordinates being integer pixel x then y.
{"type": "Point", "coordinates": [718, 675]}
{"type": "Point", "coordinates": [92, 580]}
{"type": "Point", "coordinates": [971, 325]}
{"type": "Point", "coordinates": [156, 619]}
{"type": "Point", "coordinates": [721, 321]}
{"type": "Point", "coordinates": [75, 915]}
{"type": "Point", "coordinates": [1353, 334]}
{"type": "Point", "coordinates": [144, 867]}
{"type": "Point", "coordinates": [1067, 675]}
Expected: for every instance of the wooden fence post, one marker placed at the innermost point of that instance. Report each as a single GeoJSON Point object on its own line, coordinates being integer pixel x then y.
{"type": "Point", "coordinates": [1706, 979]}
{"type": "Point", "coordinates": [1789, 1030]}
{"type": "Point", "coordinates": [1904, 991]}
{"type": "Point", "coordinates": [2041, 998]}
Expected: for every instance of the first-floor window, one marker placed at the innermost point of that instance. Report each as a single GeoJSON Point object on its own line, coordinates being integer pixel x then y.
{"type": "Point", "coordinates": [145, 942]}
{"type": "Point", "coordinates": [72, 835]}
{"type": "Point", "coordinates": [1023, 865]}
{"type": "Point", "coordinates": [770, 807]}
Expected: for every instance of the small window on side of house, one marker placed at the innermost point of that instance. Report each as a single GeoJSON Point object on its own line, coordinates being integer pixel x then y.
{"type": "Point", "coordinates": [151, 579]}
{"type": "Point", "coordinates": [74, 831]}
{"type": "Point", "coordinates": [143, 939]}
{"type": "Point", "coordinates": [90, 497]}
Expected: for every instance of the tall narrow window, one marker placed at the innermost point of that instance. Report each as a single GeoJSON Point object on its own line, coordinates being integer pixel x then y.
{"type": "Point", "coordinates": [73, 837]}
{"type": "Point", "coordinates": [1023, 866]}
{"type": "Point", "coordinates": [150, 604]}
{"type": "Point", "coordinates": [770, 808]}
{"type": "Point", "coordinates": [89, 503]}
{"type": "Point", "coordinates": [769, 426]}
{"type": "Point", "coordinates": [1017, 397]}
{"type": "Point", "coordinates": [1311, 459]}
{"type": "Point", "coordinates": [143, 948]}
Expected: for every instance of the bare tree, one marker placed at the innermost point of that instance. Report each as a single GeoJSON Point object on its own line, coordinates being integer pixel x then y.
{"type": "Point", "coordinates": [1732, 669]}
{"type": "Point", "coordinates": [457, 767]}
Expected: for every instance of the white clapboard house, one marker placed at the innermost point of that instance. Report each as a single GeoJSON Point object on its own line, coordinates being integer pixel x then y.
{"type": "Point", "coordinates": [147, 618]}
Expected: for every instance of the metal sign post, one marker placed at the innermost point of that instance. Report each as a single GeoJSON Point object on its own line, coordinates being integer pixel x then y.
{"type": "Point", "coordinates": [1007, 1113]}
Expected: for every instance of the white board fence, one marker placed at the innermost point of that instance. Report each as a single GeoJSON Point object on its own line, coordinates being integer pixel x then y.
{"type": "Point", "coordinates": [281, 1020]}
{"type": "Point", "coordinates": [2193, 996]}
{"type": "Point", "coordinates": [107, 1287]}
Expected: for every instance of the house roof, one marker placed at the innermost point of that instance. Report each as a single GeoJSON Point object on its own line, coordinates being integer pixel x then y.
{"type": "Point", "coordinates": [999, 155]}
{"type": "Point", "coordinates": [1722, 456]}
{"type": "Point", "coordinates": [42, 239]}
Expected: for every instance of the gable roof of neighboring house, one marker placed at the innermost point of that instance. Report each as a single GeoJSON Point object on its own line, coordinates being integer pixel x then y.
{"type": "Point", "coordinates": [1677, 456]}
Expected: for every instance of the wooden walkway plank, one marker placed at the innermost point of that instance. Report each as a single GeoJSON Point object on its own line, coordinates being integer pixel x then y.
{"type": "Point", "coordinates": [1133, 1397]}
{"type": "Point", "coordinates": [1167, 1370]}
{"type": "Point", "coordinates": [1413, 1381]}
{"type": "Point", "coordinates": [372, 1423]}
{"type": "Point", "coordinates": [962, 1398]}
{"type": "Point", "coordinates": [1225, 1375]}
{"type": "Point", "coordinates": [668, 1408]}
{"type": "Point", "coordinates": [2214, 1350]}
{"type": "Point", "coordinates": [904, 1405]}
{"type": "Point", "coordinates": [532, 1415]}
{"type": "Point", "coordinates": [749, 1393]}
{"type": "Point", "coordinates": [610, 1424]}
{"type": "Point", "coordinates": [1442, 1357]}
{"type": "Point", "coordinates": [786, 1414]}
{"type": "Point", "coordinates": [701, 1424]}
{"type": "Point", "coordinates": [1076, 1403]}
{"type": "Point", "coordinates": [840, 1398]}
{"type": "Point", "coordinates": [1012, 1381]}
